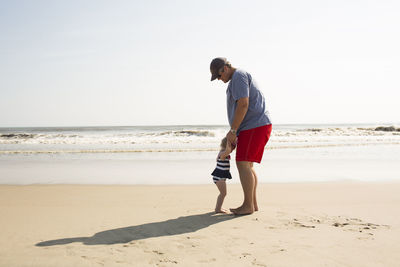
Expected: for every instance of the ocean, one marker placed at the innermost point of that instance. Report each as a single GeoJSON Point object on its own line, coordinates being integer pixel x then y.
{"type": "Point", "coordinates": [84, 154]}
{"type": "Point", "coordinates": [137, 139]}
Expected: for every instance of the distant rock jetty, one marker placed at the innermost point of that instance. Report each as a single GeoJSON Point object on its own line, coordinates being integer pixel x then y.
{"type": "Point", "coordinates": [16, 135]}
{"type": "Point", "coordinates": [387, 129]}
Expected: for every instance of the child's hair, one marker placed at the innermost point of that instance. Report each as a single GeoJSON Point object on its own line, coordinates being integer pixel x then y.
{"type": "Point", "coordinates": [223, 143]}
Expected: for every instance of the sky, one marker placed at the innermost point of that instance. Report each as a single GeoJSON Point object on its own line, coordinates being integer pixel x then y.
{"type": "Point", "coordinates": [124, 63]}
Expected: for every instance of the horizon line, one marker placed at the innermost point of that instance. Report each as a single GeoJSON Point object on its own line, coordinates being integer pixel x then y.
{"type": "Point", "coordinates": [197, 125]}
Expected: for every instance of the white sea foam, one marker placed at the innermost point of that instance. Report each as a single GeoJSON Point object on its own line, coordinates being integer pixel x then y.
{"type": "Point", "coordinates": [181, 138]}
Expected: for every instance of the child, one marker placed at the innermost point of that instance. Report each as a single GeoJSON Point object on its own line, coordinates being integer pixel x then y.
{"type": "Point", "coordinates": [221, 173]}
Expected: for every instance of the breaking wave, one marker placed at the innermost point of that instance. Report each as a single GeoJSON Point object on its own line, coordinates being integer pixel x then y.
{"type": "Point", "coordinates": [181, 139]}
{"type": "Point", "coordinates": [166, 150]}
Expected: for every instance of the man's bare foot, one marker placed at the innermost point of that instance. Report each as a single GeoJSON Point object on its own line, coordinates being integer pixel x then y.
{"type": "Point", "coordinates": [234, 210]}
{"type": "Point", "coordinates": [255, 208]}
{"type": "Point", "coordinates": [242, 211]}
{"type": "Point", "coordinates": [221, 211]}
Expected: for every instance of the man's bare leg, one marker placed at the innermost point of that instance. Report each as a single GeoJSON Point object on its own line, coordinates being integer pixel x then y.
{"type": "Point", "coordinates": [247, 181]}
{"type": "Point", "coordinates": [255, 187]}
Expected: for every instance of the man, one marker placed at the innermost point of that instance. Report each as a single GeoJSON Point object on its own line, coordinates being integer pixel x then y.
{"type": "Point", "coordinates": [250, 126]}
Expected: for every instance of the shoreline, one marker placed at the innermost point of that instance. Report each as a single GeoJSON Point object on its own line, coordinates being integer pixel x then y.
{"type": "Point", "coordinates": [236, 183]}
{"type": "Point", "coordinates": [362, 163]}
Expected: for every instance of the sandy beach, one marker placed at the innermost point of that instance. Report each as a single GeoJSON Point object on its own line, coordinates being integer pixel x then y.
{"type": "Point", "coordinates": [304, 224]}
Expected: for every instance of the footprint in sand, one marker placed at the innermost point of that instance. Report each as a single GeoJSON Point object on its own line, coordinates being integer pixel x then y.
{"type": "Point", "coordinates": [296, 223]}
{"type": "Point", "coordinates": [278, 249]}
{"type": "Point", "coordinates": [357, 225]}
{"type": "Point", "coordinates": [158, 252]}
{"type": "Point", "coordinates": [344, 223]}
{"type": "Point", "coordinates": [255, 263]}
{"type": "Point", "coordinates": [168, 261]}
{"type": "Point", "coordinates": [92, 259]}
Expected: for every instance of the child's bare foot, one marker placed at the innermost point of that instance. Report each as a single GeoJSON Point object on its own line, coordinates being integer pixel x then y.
{"type": "Point", "coordinates": [221, 211]}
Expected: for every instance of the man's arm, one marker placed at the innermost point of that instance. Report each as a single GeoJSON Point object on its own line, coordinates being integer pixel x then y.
{"type": "Point", "coordinates": [240, 112]}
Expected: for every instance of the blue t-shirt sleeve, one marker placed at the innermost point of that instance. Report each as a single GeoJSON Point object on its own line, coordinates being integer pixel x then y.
{"type": "Point", "coordinates": [240, 86]}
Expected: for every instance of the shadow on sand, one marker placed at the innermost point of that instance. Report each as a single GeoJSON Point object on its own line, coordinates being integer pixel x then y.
{"type": "Point", "coordinates": [181, 225]}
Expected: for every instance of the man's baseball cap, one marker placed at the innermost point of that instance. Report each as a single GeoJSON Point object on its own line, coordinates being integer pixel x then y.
{"type": "Point", "coordinates": [216, 65]}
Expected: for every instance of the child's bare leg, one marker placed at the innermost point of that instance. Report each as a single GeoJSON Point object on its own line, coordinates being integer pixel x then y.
{"type": "Point", "coordinates": [221, 185]}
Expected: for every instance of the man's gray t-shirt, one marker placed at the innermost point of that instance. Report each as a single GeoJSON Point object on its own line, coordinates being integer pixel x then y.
{"type": "Point", "coordinates": [242, 85]}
